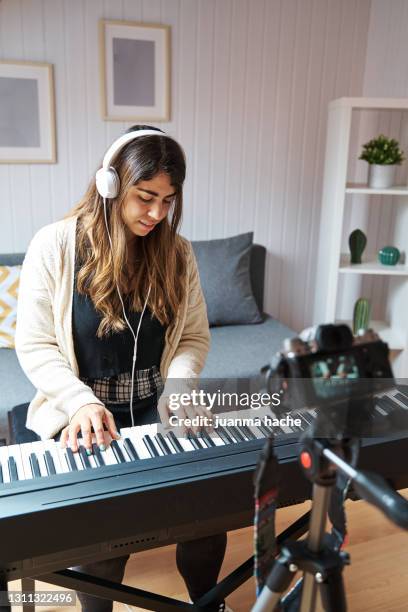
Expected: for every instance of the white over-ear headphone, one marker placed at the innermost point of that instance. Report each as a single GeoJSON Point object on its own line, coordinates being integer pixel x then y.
{"type": "Point", "coordinates": [107, 179]}
{"type": "Point", "coordinates": [108, 185]}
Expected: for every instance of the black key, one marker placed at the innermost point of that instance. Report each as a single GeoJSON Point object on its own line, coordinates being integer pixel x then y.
{"type": "Point", "coordinates": [84, 458]}
{"type": "Point", "coordinates": [305, 424]}
{"type": "Point", "coordinates": [96, 451]}
{"type": "Point", "coordinates": [35, 467]}
{"type": "Point", "coordinates": [161, 442]}
{"type": "Point", "coordinates": [402, 398]}
{"type": "Point", "coordinates": [208, 441]}
{"type": "Point", "coordinates": [12, 465]}
{"type": "Point", "coordinates": [194, 441]}
{"type": "Point", "coordinates": [128, 444]}
{"type": "Point", "coordinates": [117, 451]}
{"type": "Point", "coordinates": [150, 446]}
{"type": "Point", "coordinates": [391, 403]}
{"type": "Point", "coordinates": [243, 432]}
{"type": "Point", "coordinates": [264, 430]}
{"type": "Point", "coordinates": [382, 403]}
{"type": "Point", "coordinates": [49, 463]}
{"type": "Point", "coordinates": [72, 466]}
{"type": "Point", "coordinates": [249, 434]}
{"type": "Point", "coordinates": [1, 474]}
{"type": "Point", "coordinates": [174, 442]}
{"type": "Point", "coordinates": [236, 433]}
{"type": "Point", "coordinates": [225, 437]}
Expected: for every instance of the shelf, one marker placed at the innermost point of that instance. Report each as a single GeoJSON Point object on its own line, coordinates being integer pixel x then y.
{"type": "Point", "coordinates": [394, 337]}
{"type": "Point", "coordinates": [401, 190]}
{"type": "Point", "coordinates": [370, 267]}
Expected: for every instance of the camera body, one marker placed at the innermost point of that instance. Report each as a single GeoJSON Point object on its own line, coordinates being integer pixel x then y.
{"type": "Point", "coordinates": [333, 368]}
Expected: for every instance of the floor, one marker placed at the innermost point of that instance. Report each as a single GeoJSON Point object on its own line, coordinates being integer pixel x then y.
{"type": "Point", "coordinates": [377, 579]}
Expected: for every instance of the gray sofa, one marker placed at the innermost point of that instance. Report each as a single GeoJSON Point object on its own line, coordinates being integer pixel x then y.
{"type": "Point", "coordinates": [237, 351]}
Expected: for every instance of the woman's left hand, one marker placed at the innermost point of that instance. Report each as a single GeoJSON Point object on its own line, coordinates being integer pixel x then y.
{"type": "Point", "coordinates": [186, 417]}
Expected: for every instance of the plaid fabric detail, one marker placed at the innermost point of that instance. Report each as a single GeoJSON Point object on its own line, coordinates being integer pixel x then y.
{"type": "Point", "coordinates": [116, 389]}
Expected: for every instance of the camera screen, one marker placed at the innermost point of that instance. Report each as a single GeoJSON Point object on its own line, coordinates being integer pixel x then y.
{"type": "Point", "coordinates": [332, 374]}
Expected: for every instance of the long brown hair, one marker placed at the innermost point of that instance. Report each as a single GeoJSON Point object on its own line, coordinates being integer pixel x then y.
{"type": "Point", "coordinates": [160, 256]}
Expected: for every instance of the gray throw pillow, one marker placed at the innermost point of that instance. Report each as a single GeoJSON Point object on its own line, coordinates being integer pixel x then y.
{"type": "Point", "coordinates": [223, 265]}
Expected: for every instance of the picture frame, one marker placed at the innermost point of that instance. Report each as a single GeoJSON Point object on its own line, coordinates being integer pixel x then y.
{"type": "Point", "coordinates": [27, 113]}
{"type": "Point", "coordinates": [131, 53]}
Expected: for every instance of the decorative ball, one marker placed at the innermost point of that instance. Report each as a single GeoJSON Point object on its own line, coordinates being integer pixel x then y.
{"type": "Point", "coordinates": [388, 256]}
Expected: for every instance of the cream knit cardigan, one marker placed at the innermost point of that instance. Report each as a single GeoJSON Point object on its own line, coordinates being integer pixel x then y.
{"type": "Point", "coordinates": [44, 342]}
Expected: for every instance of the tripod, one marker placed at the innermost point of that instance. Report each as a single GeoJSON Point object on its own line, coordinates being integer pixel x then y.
{"type": "Point", "coordinates": [322, 564]}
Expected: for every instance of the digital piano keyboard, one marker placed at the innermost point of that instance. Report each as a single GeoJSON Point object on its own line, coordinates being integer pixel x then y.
{"type": "Point", "coordinates": [150, 489]}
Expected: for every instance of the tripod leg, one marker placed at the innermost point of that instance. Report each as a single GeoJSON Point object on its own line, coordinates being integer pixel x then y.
{"type": "Point", "coordinates": [277, 582]}
{"type": "Point", "coordinates": [332, 592]}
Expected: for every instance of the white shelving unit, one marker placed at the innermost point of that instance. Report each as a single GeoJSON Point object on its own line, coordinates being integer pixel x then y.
{"type": "Point", "coordinates": [332, 263]}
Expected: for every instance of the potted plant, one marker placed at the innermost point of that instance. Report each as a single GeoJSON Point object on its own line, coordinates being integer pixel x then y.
{"type": "Point", "coordinates": [383, 155]}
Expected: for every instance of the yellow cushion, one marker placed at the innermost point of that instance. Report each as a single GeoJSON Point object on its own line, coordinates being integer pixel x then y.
{"type": "Point", "coordinates": [9, 282]}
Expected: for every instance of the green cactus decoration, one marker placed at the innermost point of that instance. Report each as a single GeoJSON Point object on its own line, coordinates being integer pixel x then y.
{"type": "Point", "coordinates": [361, 315]}
{"type": "Point", "coordinates": [357, 244]}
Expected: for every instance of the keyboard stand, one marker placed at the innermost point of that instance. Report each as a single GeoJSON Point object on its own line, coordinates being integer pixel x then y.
{"type": "Point", "coordinates": [100, 587]}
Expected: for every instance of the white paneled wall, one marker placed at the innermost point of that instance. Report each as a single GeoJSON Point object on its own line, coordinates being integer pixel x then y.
{"type": "Point", "coordinates": [251, 81]}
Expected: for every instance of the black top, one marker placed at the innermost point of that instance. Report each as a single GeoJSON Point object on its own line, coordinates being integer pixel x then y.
{"type": "Point", "coordinates": [112, 355]}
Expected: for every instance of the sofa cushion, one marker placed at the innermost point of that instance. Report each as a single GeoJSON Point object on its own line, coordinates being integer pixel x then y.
{"type": "Point", "coordinates": [240, 351]}
{"type": "Point", "coordinates": [16, 388]}
{"type": "Point", "coordinates": [224, 267]}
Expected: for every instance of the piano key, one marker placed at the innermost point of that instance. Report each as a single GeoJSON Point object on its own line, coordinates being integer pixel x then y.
{"type": "Point", "coordinates": [86, 464]}
{"type": "Point", "coordinates": [151, 448]}
{"type": "Point", "coordinates": [49, 462]}
{"type": "Point", "coordinates": [109, 456]}
{"type": "Point", "coordinates": [69, 455]}
{"type": "Point", "coordinates": [244, 429]}
{"type": "Point", "coordinates": [128, 444]}
{"type": "Point", "coordinates": [121, 444]}
{"type": "Point", "coordinates": [4, 463]}
{"type": "Point", "coordinates": [194, 441]}
{"type": "Point", "coordinates": [402, 398]}
{"type": "Point", "coordinates": [38, 448]}
{"type": "Point", "coordinates": [225, 437]}
{"type": "Point", "coordinates": [235, 434]}
{"type": "Point", "coordinates": [117, 451]}
{"type": "Point", "coordinates": [186, 444]}
{"type": "Point", "coordinates": [26, 450]}
{"type": "Point", "coordinates": [388, 401]}
{"type": "Point", "coordinates": [208, 441]}
{"type": "Point", "coordinates": [12, 465]}
{"type": "Point", "coordinates": [15, 451]}
{"type": "Point", "coordinates": [35, 468]}
{"type": "Point", "coordinates": [161, 442]}
{"type": "Point", "coordinates": [135, 435]}
{"type": "Point", "coordinates": [58, 455]}
{"type": "Point", "coordinates": [1, 474]}
{"type": "Point", "coordinates": [99, 460]}
{"type": "Point", "coordinates": [264, 430]}
{"type": "Point", "coordinates": [174, 442]}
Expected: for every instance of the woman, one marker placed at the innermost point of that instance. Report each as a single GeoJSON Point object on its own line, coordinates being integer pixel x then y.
{"type": "Point", "coordinates": [110, 309]}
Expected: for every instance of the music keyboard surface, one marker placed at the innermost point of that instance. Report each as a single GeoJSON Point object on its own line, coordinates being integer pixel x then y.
{"type": "Point", "coordinates": [50, 520]}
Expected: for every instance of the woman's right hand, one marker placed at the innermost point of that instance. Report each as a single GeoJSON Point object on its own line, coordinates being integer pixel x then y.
{"type": "Point", "coordinates": [87, 418]}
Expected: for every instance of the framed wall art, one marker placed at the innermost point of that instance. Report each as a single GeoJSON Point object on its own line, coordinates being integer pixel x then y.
{"type": "Point", "coordinates": [135, 71]}
{"type": "Point", "coordinates": [27, 115]}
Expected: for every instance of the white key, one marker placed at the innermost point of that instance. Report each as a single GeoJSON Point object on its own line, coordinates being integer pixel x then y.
{"type": "Point", "coordinates": [25, 456]}
{"type": "Point", "coordinates": [14, 451]}
{"type": "Point", "coordinates": [186, 444]}
{"type": "Point", "coordinates": [39, 448]}
{"type": "Point", "coordinates": [4, 465]}
{"type": "Point", "coordinates": [123, 449]}
{"type": "Point", "coordinates": [108, 456]}
{"type": "Point", "coordinates": [135, 434]}
{"type": "Point", "coordinates": [61, 452]}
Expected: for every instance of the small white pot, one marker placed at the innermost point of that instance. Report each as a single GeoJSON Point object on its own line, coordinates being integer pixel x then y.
{"type": "Point", "coordinates": [381, 176]}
